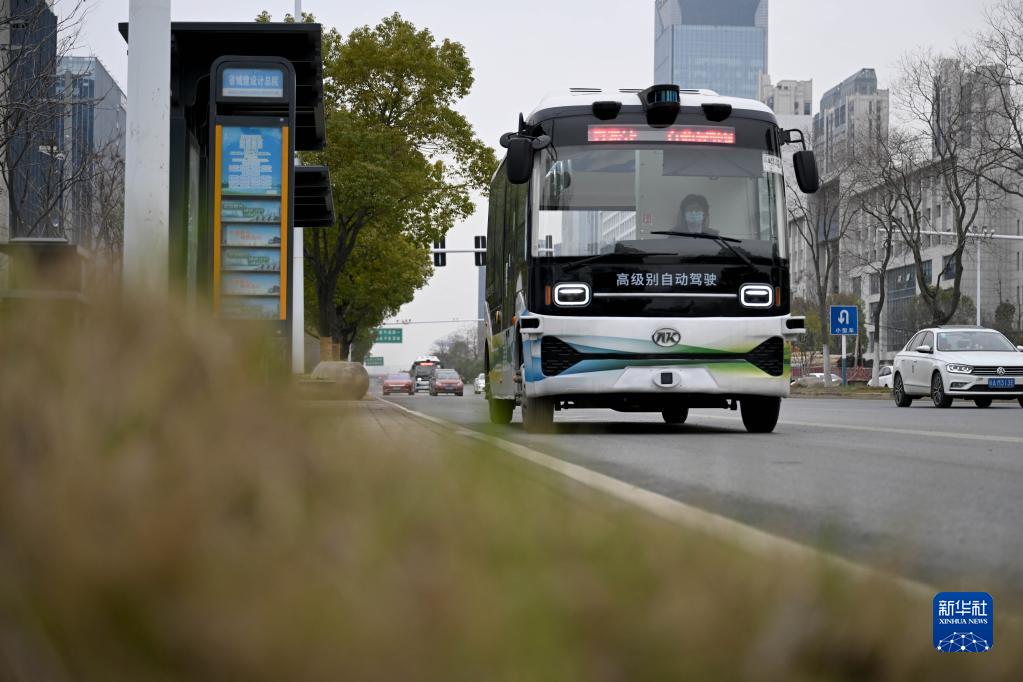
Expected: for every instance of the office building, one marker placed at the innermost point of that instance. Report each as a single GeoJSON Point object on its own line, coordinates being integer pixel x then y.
{"type": "Point", "coordinates": [31, 164]}
{"type": "Point", "coordinates": [92, 138]}
{"type": "Point", "coordinates": [720, 45]}
{"type": "Point", "coordinates": [852, 115]}
{"type": "Point", "coordinates": [790, 100]}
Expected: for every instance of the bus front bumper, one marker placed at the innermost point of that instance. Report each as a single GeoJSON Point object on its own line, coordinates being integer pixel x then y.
{"type": "Point", "coordinates": [728, 357]}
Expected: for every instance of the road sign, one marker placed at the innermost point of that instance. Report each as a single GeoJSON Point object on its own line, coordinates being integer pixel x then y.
{"type": "Point", "coordinates": [845, 320]}
{"type": "Point", "coordinates": [374, 361]}
{"type": "Point", "coordinates": [387, 335]}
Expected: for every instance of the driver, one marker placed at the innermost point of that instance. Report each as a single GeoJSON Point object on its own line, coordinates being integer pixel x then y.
{"type": "Point", "coordinates": [694, 215]}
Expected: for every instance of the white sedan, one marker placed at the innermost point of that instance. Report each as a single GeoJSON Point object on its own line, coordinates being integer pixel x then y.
{"type": "Point", "coordinates": [884, 378]}
{"type": "Point", "coordinates": [480, 384]}
{"type": "Point", "coordinates": [950, 363]}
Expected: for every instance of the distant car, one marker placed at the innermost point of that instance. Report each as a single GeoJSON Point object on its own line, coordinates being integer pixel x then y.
{"type": "Point", "coordinates": [884, 378]}
{"type": "Point", "coordinates": [815, 379]}
{"type": "Point", "coordinates": [446, 381]}
{"type": "Point", "coordinates": [480, 384]}
{"type": "Point", "coordinates": [956, 363]}
{"type": "Point", "coordinates": [398, 383]}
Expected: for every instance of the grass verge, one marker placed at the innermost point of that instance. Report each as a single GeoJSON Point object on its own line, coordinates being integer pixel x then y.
{"type": "Point", "coordinates": [166, 514]}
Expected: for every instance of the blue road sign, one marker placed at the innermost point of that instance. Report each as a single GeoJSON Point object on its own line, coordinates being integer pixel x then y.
{"type": "Point", "coordinates": [845, 320]}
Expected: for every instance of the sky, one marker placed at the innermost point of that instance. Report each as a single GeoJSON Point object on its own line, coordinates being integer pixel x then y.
{"type": "Point", "coordinates": [521, 50]}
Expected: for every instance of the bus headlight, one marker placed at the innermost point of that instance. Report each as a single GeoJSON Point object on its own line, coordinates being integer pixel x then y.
{"type": "Point", "coordinates": [756, 296]}
{"type": "Point", "coordinates": [574, 295]}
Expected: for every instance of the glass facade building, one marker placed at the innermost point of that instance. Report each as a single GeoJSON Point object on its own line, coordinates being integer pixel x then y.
{"type": "Point", "coordinates": [716, 44]}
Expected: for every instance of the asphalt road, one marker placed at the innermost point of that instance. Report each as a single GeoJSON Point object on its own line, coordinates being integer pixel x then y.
{"type": "Point", "coordinates": [934, 495]}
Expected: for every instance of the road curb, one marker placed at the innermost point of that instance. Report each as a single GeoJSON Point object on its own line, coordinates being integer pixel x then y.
{"type": "Point", "coordinates": [738, 534]}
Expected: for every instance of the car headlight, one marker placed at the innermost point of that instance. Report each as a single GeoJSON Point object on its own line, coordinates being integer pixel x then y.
{"type": "Point", "coordinates": [959, 369]}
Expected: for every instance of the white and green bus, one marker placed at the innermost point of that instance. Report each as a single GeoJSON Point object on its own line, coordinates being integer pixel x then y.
{"type": "Point", "coordinates": [636, 258]}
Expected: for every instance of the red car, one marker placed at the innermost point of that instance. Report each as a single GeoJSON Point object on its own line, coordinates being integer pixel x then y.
{"type": "Point", "coordinates": [446, 381]}
{"type": "Point", "coordinates": [398, 383]}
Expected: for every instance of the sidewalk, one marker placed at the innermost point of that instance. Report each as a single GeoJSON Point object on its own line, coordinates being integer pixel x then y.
{"type": "Point", "coordinates": [383, 424]}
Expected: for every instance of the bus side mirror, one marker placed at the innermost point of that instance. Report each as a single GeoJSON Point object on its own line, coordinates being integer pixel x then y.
{"type": "Point", "coordinates": [520, 160]}
{"type": "Point", "coordinates": [805, 165]}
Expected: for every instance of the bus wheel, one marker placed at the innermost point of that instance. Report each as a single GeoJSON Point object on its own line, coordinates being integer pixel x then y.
{"type": "Point", "coordinates": [538, 415]}
{"type": "Point", "coordinates": [760, 415]}
{"type": "Point", "coordinates": [675, 415]}
{"type": "Point", "coordinates": [501, 411]}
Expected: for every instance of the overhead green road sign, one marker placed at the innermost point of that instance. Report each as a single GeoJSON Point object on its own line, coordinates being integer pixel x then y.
{"type": "Point", "coordinates": [374, 361]}
{"type": "Point", "coordinates": [387, 335]}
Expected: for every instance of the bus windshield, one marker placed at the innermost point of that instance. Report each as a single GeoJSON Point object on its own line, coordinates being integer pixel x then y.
{"type": "Point", "coordinates": [616, 198]}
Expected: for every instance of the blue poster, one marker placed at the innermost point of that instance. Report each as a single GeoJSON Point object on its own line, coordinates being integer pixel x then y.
{"type": "Point", "coordinates": [251, 235]}
{"type": "Point", "coordinates": [240, 308]}
{"type": "Point", "coordinates": [251, 260]}
{"type": "Point", "coordinates": [255, 284]}
{"type": "Point", "coordinates": [251, 210]}
{"type": "Point", "coordinates": [251, 161]}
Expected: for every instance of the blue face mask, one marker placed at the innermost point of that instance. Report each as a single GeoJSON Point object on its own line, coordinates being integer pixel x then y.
{"type": "Point", "coordinates": [694, 217]}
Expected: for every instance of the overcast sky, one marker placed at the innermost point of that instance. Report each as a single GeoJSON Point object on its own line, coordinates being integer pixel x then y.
{"type": "Point", "coordinates": [523, 49]}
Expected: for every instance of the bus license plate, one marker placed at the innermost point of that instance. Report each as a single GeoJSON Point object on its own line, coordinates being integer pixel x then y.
{"type": "Point", "coordinates": [1001, 383]}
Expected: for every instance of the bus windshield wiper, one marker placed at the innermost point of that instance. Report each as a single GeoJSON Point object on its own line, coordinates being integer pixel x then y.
{"type": "Point", "coordinates": [611, 255]}
{"type": "Point", "coordinates": [723, 241]}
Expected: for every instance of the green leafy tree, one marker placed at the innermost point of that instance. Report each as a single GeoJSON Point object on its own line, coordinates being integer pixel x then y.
{"type": "Point", "coordinates": [1005, 320]}
{"type": "Point", "coordinates": [265, 17]}
{"type": "Point", "coordinates": [384, 273]}
{"type": "Point", "coordinates": [401, 159]}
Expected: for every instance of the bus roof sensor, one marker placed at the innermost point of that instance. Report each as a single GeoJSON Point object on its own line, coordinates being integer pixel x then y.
{"type": "Point", "coordinates": [716, 111]}
{"type": "Point", "coordinates": [606, 110]}
{"type": "Point", "coordinates": [661, 103]}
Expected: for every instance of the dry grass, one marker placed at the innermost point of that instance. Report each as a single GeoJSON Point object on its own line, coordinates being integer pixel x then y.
{"type": "Point", "coordinates": [164, 515]}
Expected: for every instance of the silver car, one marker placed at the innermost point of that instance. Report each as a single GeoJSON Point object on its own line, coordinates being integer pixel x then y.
{"type": "Point", "coordinates": [964, 363]}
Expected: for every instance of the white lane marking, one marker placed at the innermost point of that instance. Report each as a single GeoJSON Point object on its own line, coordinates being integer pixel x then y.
{"type": "Point", "coordinates": [739, 534]}
{"type": "Point", "coordinates": [884, 429]}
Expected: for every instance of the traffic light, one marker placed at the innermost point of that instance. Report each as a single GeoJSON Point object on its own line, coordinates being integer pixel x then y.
{"type": "Point", "coordinates": [439, 259]}
{"type": "Point", "coordinates": [481, 256]}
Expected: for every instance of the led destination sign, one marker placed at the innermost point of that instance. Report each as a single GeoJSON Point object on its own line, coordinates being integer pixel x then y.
{"type": "Point", "coordinates": [677, 134]}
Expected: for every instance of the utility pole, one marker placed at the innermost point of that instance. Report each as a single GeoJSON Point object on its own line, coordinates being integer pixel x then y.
{"type": "Point", "coordinates": [147, 151]}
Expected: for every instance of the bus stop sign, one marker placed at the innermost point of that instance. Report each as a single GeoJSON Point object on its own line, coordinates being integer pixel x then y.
{"type": "Point", "coordinates": [845, 320]}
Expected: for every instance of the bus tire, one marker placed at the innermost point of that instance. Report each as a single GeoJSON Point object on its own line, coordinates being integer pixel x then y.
{"type": "Point", "coordinates": [675, 415]}
{"type": "Point", "coordinates": [538, 415]}
{"type": "Point", "coordinates": [760, 414]}
{"type": "Point", "coordinates": [501, 410]}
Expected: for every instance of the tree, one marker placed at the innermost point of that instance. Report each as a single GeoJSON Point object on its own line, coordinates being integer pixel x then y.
{"type": "Point", "coordinates": [1005, 319]}
{"type": "Point", "coordinates": [383, 273]}
{"type": "Point", "coordinates": [999, 52]}
{"type": "Point", "coordinates": [821, 222]}
{"type": "Point", "coordinates": [949, 110]}
{"type": "Point", "coordinates": [459, 350]}
{"type": "Point", "coordinates": [35, 174]}
{"type": "Point", "coordinates": [881, 214]}
{"type": "Point", "coordinates": [106, 195]}
{"type": "Point", "coordinates": [806, 350]}
{"type": "Point", "coordinates": [401, 158]}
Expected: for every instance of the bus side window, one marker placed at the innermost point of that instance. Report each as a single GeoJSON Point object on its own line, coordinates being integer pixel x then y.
{"type": "Point", "coordinates": [515, 242]}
